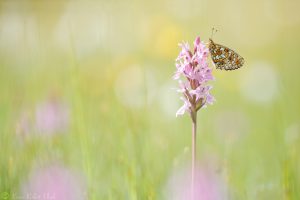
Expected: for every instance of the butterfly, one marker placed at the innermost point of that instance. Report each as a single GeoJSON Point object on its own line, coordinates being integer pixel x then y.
{"type": "Point", "coordinates": [223, 57]}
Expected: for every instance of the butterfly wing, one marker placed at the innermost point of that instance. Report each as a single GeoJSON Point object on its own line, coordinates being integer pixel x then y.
{"type": "Point", "coordinates": [225, 58]}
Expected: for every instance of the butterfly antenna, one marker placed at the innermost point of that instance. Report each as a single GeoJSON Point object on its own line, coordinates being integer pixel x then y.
{"type": "Point", "coordinates": [213, 31]}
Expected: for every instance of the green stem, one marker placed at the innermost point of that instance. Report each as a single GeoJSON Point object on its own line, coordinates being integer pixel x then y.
{"type": "Point", "coordinates": [194, 137]}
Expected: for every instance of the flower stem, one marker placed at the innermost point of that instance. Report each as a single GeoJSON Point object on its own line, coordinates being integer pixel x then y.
{"type": "Point", "coordinates": [194, 136]}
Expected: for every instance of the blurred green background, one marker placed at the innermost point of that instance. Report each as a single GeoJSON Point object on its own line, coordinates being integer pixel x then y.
{"type": "Point", "coordinates": [110, 63]}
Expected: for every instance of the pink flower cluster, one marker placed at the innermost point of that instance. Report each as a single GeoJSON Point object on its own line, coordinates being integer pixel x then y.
{"type": "Point", "coordinates": [55, 182]}
{"type": "Point", "coordinates": [193, 66]}
{"type": "Point", "coordinates": [209, 185]}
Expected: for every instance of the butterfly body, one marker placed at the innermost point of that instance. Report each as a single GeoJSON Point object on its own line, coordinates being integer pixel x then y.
{"type": "Point", "coordinates": [223, 57]}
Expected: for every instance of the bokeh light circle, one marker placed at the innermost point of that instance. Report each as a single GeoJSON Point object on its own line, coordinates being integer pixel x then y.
{"type": "Point", "coordinates": [259, 83]}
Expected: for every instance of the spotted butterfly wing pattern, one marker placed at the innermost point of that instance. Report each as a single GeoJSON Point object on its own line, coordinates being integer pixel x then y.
{"type": "Point", "coordinates": [224, 58]}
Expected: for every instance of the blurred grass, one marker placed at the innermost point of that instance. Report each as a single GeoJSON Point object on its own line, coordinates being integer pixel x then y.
{"type": "Point", "coordinates": [79, 51]}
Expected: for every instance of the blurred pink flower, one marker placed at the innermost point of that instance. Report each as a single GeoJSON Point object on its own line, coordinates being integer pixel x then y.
{"type": "Point", "coordinates": [193, 67]}
{"type": "Point", "coordinates": [51, 117]}
{"type": "Point", "coordinates": [208, 185]}
{"type": "Point", "coordinates": [53, 183]}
